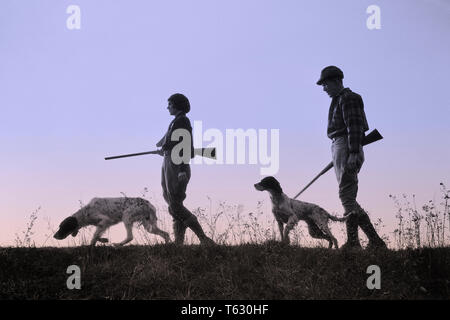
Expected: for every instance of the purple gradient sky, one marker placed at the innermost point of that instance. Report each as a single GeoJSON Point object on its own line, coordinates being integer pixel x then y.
{"type": "Point", "coordinates": [70, 98]}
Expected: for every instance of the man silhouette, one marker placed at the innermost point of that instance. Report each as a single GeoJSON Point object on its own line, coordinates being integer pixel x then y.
{"type": "Point", "coordinates": [347, 125]}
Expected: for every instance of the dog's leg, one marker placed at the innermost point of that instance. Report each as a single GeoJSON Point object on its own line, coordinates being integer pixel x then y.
{"type": "Point", "coordinates": [323, 226]}
{"type": "Point", "coordinates": [155, 230]}
{"type": "Point", "coordinates": [332, 241]}
{"type": "Point", "coordinates": [280, 227]}
{"type": "Point", "coordinates": [289, 226]}
{"type": "Point", "coordinates": [98, 232]}
{"type": "Point", "coordinates": [104, 223]}
{"type": "Point", "coordinates": [129, 228]}
{"type": "Point", "coordinates": [317, 233]}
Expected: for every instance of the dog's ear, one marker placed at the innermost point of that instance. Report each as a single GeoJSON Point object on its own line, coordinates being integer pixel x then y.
{"type": "Point", "coordinates": [69, 225]}
{"type": "Point", "coordinates": [278, 186]}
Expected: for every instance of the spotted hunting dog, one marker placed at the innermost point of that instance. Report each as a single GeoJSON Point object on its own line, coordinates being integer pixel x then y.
{"type": "Point", "coordinates": [105, 212]}
{"type": "Point", "coordinates": [289, 211]}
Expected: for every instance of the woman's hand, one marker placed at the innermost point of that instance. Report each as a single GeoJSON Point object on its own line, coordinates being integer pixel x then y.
{"type": "Point", "coordinates": [160, 142]}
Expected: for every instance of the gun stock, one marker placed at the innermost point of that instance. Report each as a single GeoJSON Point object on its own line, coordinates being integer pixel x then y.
{"type": "Point", "coordinates": [206, 152]}
{"type": "Point", "coordinates": [373, 136]}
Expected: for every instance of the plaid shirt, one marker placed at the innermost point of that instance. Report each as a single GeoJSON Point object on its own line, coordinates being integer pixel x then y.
{"type": "Point", "coordinates": [347, 116]}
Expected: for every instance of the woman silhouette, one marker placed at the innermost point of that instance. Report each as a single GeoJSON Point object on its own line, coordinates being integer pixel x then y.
{"type": "Point", "coordinates": [175, 177]}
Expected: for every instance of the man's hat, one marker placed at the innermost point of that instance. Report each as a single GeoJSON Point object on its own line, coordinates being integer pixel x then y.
{"type": "Point", "coordinates": [330, 72]}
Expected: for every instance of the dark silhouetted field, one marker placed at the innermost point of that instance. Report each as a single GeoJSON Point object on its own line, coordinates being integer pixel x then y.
{"type": "Point", "coordinates": [267, 271]}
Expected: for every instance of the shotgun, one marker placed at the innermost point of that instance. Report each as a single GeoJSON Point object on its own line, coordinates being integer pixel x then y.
{"type": "Point", "coordinates": [204, 152]}
{"type": "Point", "coordinates": [371, 137]}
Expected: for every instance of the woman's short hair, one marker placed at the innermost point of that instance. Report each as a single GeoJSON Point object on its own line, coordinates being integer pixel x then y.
{"type": "Point", "coordinates": [180, 102]}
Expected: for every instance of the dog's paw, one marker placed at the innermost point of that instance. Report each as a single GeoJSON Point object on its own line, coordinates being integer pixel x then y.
{"type": "Point", "coordinates": [103, 240]}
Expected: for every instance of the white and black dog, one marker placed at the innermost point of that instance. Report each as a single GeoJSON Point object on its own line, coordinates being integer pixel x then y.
{"type": "Point", "coordinates": [105, 212]}
{"type": "Point", "coordinates": [289, 211]}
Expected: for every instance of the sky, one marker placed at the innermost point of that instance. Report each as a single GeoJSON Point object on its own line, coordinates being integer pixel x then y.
{"type": "Point", "coordinates": [70, 97]}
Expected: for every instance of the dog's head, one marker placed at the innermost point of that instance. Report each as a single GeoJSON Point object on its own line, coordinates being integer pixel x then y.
{"type": "Point", "coordinates": [68, 226]}
{"type": "Point", "coordinates": [269, 184]}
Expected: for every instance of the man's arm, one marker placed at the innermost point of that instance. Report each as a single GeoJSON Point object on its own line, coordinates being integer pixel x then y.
{"type": "Point", "coordinates": [355, 121]}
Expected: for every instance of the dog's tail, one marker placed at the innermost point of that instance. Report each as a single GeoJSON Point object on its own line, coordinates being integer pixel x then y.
{"type": "Point", "coordinates": [344, 218]}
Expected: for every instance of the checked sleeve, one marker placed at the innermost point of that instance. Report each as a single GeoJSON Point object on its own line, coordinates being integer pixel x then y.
{"type": "Point", "coordinates": [355, 120]}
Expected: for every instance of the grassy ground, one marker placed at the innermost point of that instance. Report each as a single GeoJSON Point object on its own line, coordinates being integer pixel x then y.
{"type": "Point", "coordinates": [269, 271]}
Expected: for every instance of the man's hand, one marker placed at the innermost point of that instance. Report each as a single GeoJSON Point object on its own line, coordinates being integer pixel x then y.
{"type": "Point", "coordinates": [354, 161]}
{"type": "Point", "coordinates": [182, 177]}
{"type": "Point", "coordinates": [160, 152]}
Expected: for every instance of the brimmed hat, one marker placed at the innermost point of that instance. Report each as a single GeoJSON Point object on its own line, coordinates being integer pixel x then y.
{"type": "Point", "coordinates": [180, 102]}
{"type": "Point", "coordinates": [330, 72]}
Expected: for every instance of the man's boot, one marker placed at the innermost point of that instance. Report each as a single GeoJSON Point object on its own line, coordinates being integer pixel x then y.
{"type": "Point", "coordinates": [352, 233]}
{"type": "Point", "coordinates": [179, 230]}
{"type": "Point", "coordinates": [375, 242]}
{"type": "Point", "coordinates": [193, 224]}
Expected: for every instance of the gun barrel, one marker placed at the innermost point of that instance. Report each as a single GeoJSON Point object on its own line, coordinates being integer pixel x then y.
{"type": "Point", "coordinates": [131, 155]}
{"type": "Point", "coordinates": [204, 152]}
